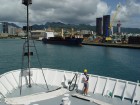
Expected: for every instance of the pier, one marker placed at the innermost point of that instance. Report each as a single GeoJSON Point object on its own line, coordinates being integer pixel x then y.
{"type": "Point", "coordinates": [119, 45]}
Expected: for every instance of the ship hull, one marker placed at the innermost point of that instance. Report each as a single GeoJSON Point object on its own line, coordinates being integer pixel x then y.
{"type": "Point", "coordinates": [66, 41]}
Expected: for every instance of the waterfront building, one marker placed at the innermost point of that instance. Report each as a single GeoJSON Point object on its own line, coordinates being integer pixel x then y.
{"type": "Point", "coordinates": [5, 27]}
{"type": "Point", "coordinates": [119, 28]}
{"type": "Point", "coordinates": [85, 32]}
{"type": "Point", "coordinates": [106, 24]}
{"type": "Point", "coordinates": [98, 26]}
{"type": "Point", "coordinates": [134, 40]}
{"type": "Point", "coordinates": [11, 30]}
{"type": "Point", "coordinates": [20, 32]}
{"type": "Point", "coordinates": [1, 28]}
{"type": "Point", "coordinates": [37, 33]}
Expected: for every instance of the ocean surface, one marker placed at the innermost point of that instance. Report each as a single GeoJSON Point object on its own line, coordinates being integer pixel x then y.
{"type": "Point", "coordinates": [121, 63]}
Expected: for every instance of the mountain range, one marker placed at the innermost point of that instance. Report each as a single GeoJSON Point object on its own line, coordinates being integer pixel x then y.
{"type": "Point", "coordinates": [58, 26]}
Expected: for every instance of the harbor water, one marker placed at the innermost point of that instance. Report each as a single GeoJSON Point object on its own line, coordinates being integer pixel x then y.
{"type": "Point", "coordinates": [121, 63]}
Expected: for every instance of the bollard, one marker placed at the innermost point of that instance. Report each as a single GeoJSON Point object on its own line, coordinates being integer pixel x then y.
{"type": "Point", "coordinates": [65, 100]}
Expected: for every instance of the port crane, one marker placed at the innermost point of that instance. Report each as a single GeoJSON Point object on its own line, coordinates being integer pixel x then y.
{"type": "Point", "coordinates": [112, 21]}
{"type": "Point", "coordinates": [113, 18]}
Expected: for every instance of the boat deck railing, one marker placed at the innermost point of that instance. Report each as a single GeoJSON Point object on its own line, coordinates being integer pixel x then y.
{"type": "Point", "coordinates": [97, 84]}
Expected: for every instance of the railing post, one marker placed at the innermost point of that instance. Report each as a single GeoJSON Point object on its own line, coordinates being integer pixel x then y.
{"type": "Point", "coordinates": [134, 94]}
{"type": "Point", "coordinates": [114, 88]}
{"type": "Point", "coordinates": [123, 96]}
{"type": "Point", "coordinates": [105, 86]}
{"type": "Point", "coordinates": [96, 85]}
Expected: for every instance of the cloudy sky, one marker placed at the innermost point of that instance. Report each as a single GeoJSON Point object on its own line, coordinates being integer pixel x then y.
{"type": "Point", "coordinates": [71, 11]}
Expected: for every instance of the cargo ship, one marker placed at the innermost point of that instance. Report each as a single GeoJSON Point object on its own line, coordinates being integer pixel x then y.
{"type": "Point", "coordinates": [61, 40]}
{"type": "Point", "coordinates": [49, 38]}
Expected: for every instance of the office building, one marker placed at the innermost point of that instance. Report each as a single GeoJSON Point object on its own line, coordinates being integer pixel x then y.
{"type": "Point", "coordinates": [11, 30]}
{"type": "Point", "coordinates": [98, 26]}
{"type": "Point", "coordinates": [1, 28]}
{"type": "Point", "coordinates": [5, 27]}
{"type": "Point", "coordinates": [106, 24]}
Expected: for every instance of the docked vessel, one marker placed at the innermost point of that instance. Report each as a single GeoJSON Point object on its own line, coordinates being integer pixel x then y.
{"type": "Point", "coordinates": [64, 41]}
{"type": "Point", "coordinates": [49, 38]}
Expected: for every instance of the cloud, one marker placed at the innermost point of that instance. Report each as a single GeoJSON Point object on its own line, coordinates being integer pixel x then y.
{"type": "Point", "coordinates": [67, 11]}
{"type": "Point", "coordinates": [128, 13]}
{"type": "Point", "coordinates": [102, 9]}
{"type": "Point", "coordinates": [11, 11]}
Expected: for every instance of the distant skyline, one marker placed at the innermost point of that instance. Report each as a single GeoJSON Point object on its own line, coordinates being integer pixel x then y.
{"type": "Point", "coordinates": [71, 11]}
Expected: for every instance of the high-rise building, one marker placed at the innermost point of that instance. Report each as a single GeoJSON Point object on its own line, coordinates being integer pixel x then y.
{"type": "Point", "coordinates": [98, 26]}
{"type": "Point", "coordinates": [119, 28]}
{"type": "Point", "coordinates": [5, 27]}
{"type": "Point", "coordinates": [106, 24]}
{"type": "Point", "coordinates": [1, 28]}
{"type": "Point", "coordinates": [11, 30]}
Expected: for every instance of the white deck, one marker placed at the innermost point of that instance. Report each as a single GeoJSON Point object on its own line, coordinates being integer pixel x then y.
{"type": "Point", "coordinates": [126, 90]}
{"type": "Point", "coordinates": [99, 102]}
{"type": "Point", "coordinates": [35, 97]}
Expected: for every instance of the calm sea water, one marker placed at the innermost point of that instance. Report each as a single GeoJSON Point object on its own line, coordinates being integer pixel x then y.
{"type": "Point", "coordinates": [119, 63]}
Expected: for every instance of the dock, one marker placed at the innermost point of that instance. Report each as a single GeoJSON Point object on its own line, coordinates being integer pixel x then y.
{"type": "Point", "coordinates": [119, 45]}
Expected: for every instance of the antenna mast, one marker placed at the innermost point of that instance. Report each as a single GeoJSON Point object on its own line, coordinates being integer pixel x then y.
{"type": "Point", "coordinates": [27, 72]}
{"type": "Point", "coordinates": [27, 3]}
